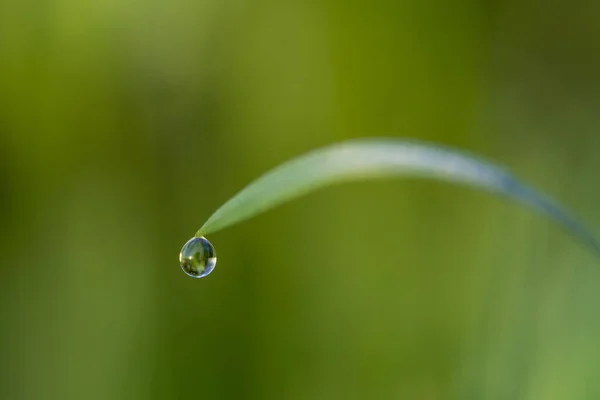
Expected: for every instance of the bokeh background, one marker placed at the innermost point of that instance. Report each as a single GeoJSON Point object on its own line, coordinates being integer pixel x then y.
{"type": "Point", "coordinates": [125, 124]}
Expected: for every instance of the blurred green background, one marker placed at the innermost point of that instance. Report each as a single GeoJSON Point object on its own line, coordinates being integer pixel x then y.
{"type": "Point", "coordinates": [124, 125]}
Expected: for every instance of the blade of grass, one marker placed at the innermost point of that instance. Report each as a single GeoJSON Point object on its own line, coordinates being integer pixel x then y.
{"type": "Point", "coordinates": [361, 159]}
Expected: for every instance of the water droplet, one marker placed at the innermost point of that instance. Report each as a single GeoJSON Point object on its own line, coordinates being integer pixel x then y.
{"type": "Point", "coordinates": [198, 257]}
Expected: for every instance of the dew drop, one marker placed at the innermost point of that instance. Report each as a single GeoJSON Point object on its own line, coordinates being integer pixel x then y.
{"type": "Point", "coordinates": [198, 257]}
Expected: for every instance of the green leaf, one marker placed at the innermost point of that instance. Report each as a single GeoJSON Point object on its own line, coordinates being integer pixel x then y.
{"type": "Point", "coordinates": [361, 159]}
